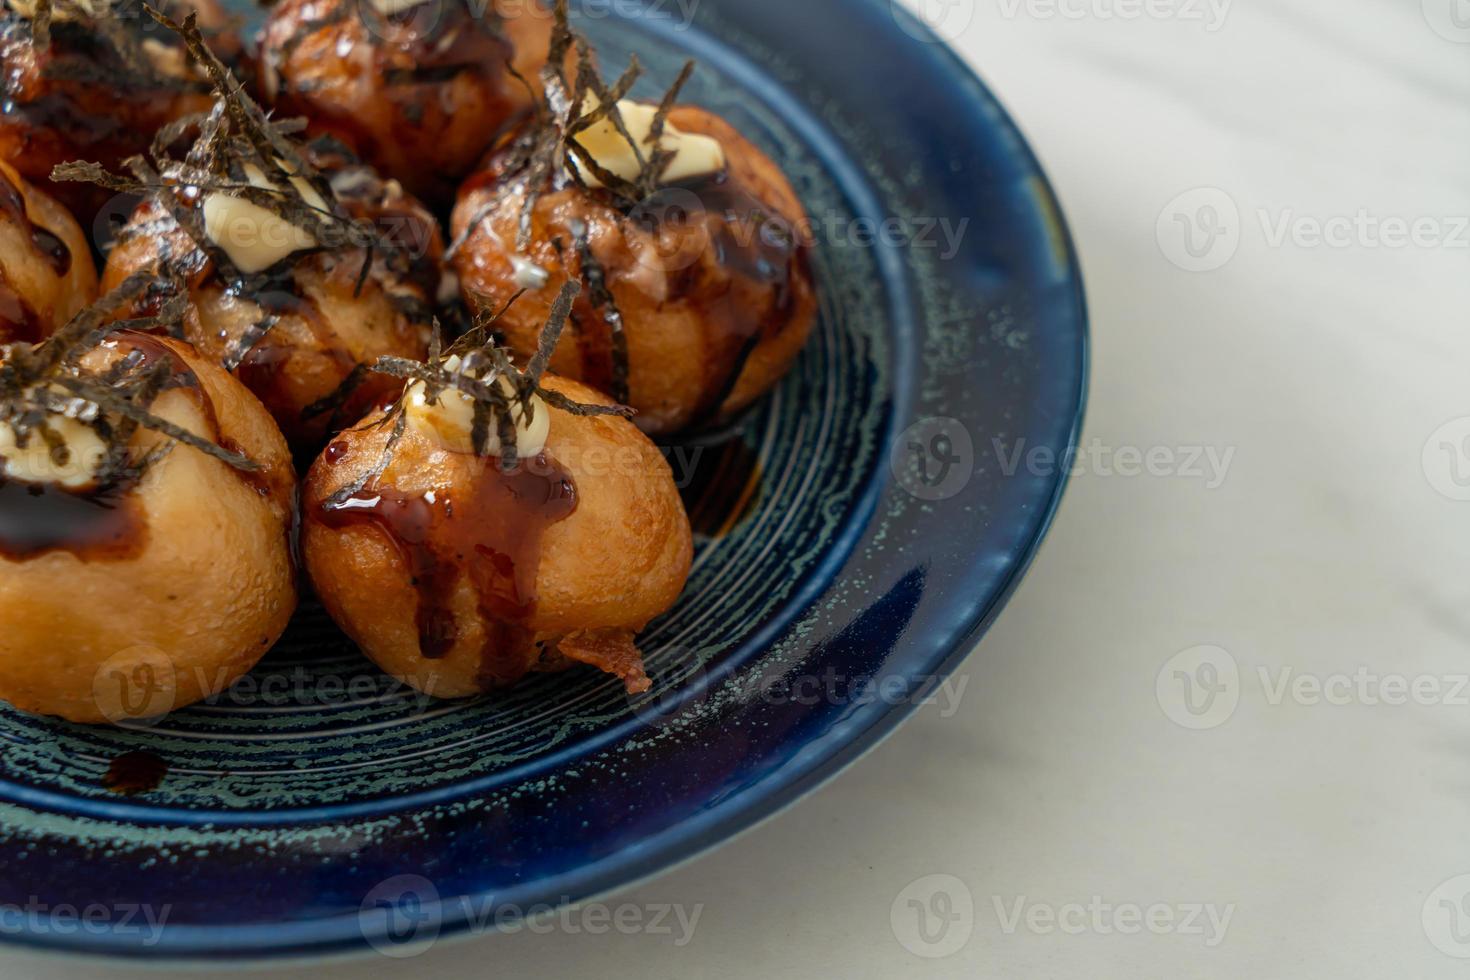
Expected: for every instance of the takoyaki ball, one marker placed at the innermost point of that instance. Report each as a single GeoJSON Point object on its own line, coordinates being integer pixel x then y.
{"type": "Point", "coordinates": [708, 275]}
{"type": "Point", "coordinates": [46, 269]}
{"type": "Point", "coordinates": [300, 272]}
{"type": "Point", "coordinates": [97, 85]}
{"type": "Point", "coordinates": [419, 89]}
{"type": "Point", "coordinates": [459, 577]}
{"type": "Point", "coordinates": [138, 574]}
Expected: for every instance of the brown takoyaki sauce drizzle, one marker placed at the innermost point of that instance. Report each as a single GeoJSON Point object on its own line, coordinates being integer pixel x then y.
{"type": "Point", "coordinates": [37, 519]}
{"type": "Point", "coordinates": [132, 773]}
{"type": "Point", "coordinates": [438, 40]}
{"type": "Point", "coordinates": [489, 532]}
{"type": "Point", "coordinates": [71, 75]}
{"type": "Point", "coordinates": [537, 160]}
{"type": "Point", "coordinates": [763, 257]}
{"type": "Point", "coordinates": [41, 382]}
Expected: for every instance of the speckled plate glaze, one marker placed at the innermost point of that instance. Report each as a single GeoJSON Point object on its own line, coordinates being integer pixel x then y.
{"type": "Point", "coordinates": [865, 525]}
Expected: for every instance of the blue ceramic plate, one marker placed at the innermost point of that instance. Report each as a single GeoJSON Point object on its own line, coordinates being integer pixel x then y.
{"type": "Point", "coordinates": [855, 539]}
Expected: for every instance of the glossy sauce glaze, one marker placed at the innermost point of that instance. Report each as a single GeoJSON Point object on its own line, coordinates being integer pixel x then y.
{"type": "Point", "coordinates": [38, 519]}
{"type": "Point", "coordinates": [290, 351]}
{"type": "Point", "coordinates": [489, 531]}
{"type": "Point", "coordinates": [757, 256]}
{"type": "Point", "coordinates": [384, 83]}
{"type": "Point", "coordinates": [731, 257]}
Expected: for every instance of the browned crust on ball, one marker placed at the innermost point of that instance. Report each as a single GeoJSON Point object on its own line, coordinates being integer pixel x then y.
{"type": "Point", "coordinates": [619, 560]}
{"type": "Point", "coordinates": [427, 132]}
{"type": "Point", "coordinates": [209, 593]}
{"type": "Point", "coordinates": [665, 289]}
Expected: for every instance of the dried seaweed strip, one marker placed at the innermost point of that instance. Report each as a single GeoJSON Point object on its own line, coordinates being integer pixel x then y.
{"type": "Point", "coordinates": [335, 402]}
{"type": "Point", "coordinates": [545, 154]}
{"type": "Point", "coordinates": [234, 137]}
{"type": "Point", "coordinates": [483, 373]}
{"type": "Point", "coordinates": [556, 322]}
{"type": "Point", "coordinates": [602, 301]}
{"type": "Point", "coordinates": [110, 401]}
{"type": "Point", "coordinates": [385, 458]}
{"type": "Point", "coordinates": [248, 341]}
{"type": "Point", "coordinates": [45, 380]}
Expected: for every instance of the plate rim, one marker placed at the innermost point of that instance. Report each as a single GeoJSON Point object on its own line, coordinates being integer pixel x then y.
{"type": "Point", "coordinates": [315, 941]}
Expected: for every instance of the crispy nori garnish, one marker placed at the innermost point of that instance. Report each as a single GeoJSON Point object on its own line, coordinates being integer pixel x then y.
{"type": "Point", "coordinates": [45, 380]}
{"type": "Point", "coordinates": [481, 369]}
{"type": "Point", "coordinates": [234, 135]}
{"type": "Point", "coordinates": [539, 157]}
{"type": "Point", "coordinates": [540, 160]}
{"type": "Point", "coordinates": [602, 301]}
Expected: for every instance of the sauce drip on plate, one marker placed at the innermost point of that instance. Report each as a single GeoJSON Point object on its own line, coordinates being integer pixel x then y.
{"type": "Point", "coordinates": [135, 772]}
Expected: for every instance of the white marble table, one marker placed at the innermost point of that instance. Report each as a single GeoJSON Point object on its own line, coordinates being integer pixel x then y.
{"type": "Point", "coordinates": [1307, 813]}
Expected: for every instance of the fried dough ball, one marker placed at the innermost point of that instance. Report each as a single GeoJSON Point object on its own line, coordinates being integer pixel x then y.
{"type": "Point", "coordinates": [458, 577]}
{"type": "Point", "coordinates": [709, 276]}
{"type": "Point", "coordinates": [99, 87]}
{"type": "Point", "coordinates": [46, 269]}
{"type": "Point", "coordinates": [299, 325]}
{"type": "Point", "coordinates": [419, 89]}
{"type": "Point", "coordinates": [134, 584]}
